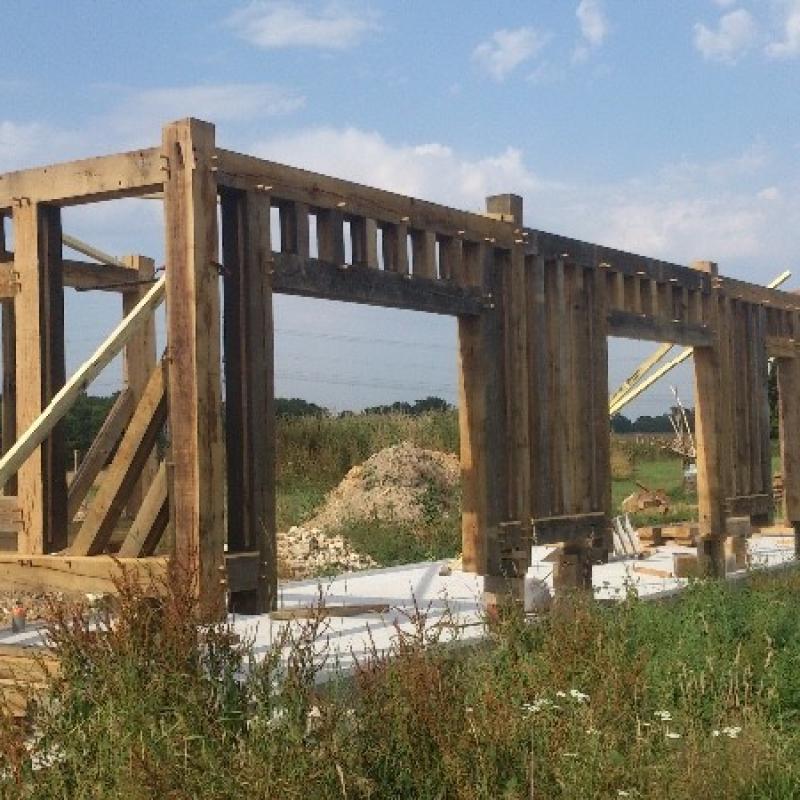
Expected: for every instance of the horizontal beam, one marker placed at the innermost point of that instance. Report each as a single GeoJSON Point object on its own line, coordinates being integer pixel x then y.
{"type": "Point", "coordinates": [89, 180]}
{"type": "Point", "coordinates": [752, 505]}
{"type": "Point", "coordinates": [29, 440]}
{"type": "Point", "coordinates": [77, 574]}
{"type": "Point", "coordinates": [759, 295]}
{"type": "Point", "coordinates": [626, 325]}
{"type": "Point", "coordinates": [320, 191]}
{"type": "Point", "coordinates": [552, 530]}
{"type": "Point", "coordinates": [310, 277]}
{"type": "Point", "coordinates": [81, 275]}
{"type": "Point", "coordinates": [778, 347]}
{"type": "Point", "coordinates": [554, 246]}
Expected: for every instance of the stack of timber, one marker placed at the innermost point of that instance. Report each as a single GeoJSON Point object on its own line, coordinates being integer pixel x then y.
{"type": "Point", "coordinates": [684, 534]}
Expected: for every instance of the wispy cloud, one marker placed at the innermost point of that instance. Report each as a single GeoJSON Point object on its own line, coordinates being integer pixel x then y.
{"type": "Point", "coordinates": [789, 45]}
{"type": "Point", "coordinates": [594, 27]}
{"type": "Point", "coordinates": [733, 37]}
{"type": "Point", "coordinates": [284, 23]}
{"type": "Point", "coordinates": [506, 49]}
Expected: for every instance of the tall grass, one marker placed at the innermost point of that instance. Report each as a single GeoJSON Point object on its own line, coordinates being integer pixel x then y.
{"type": "Point", "coordinates": [699, 697]}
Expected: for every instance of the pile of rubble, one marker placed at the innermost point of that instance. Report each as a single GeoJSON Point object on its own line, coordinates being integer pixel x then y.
{"type": "Point", "coordinates": [402, 484]}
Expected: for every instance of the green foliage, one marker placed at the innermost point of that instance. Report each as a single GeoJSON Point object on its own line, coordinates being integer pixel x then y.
{"type": "Point", "coordinates": [296, 407]}
{"type": "Point", "coordinates": [84, 419]}
{"type": "Point", "coordinates": [696, 697]}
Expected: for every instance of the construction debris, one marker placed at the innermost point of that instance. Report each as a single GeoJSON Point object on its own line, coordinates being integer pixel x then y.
{"type": "Point", "coordinates": [654, 500]}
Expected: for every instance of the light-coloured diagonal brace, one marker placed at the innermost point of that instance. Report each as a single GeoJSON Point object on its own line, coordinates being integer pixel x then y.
{"type": "Point", "coordinates": [639, 373]}
{"type": "Point", "coordinates": [93, 252]}
{"type": "Point", "coordinates": [620, 402]}
{"type": "Point", "coordinates": [66, 397]}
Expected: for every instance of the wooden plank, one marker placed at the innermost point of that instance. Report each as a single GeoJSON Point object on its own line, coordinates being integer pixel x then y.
{"type": "Point", "coordinates": [450, 255]}
{"type": "Point", "coordinates": [763, 409]}
{"type": "Point", "coordinates": [311, 277]}
{"type": "Point", "coordinates": [77, 574]}
{"type": "Point", "coordinates": [330, 236]}
{"type": "Point", "coordinates": [781, 348]}
{"type": "Point", "coordinates": [100, 451]}
{"type": "Point", "coordinates": [657, 329]}
{"type": "Point", "coordinates": [150, 523]}
{"type": "Point", "coordinates": [759, 295]}
{"type": "Point", "coordinates": [104, 178]}
{"type": "Point", "coordinates": [568, 527]}
{"type": "Point", "coordinates": [65, 398]}
{"type": "Point", "coordinates": [193, 337]}
{"type": "Point", "coordinates": [395, 248]}
{"type": "Point", "coordinates": [139, 361]}
{"type": "Point", "coordinates": [120, 479]}
{"type": "Point", "coordinates": [40, 373]}
{"type": "Point", "coordinates": [249, 379]}
{"type": "Point", "coordinates": [81, 275]}
{"type": "Point", "coordinates": [320, 191]}
{"type": "Point", "coordinates": [538, 383]}
{"type": "Point", "coordinates": [364, 233]}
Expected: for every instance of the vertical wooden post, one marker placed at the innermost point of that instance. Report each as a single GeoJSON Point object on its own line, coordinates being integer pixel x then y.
{"type": "Point", "coordinates": [789, 410]}
{"type": "Point", "coordinates": [249, 398]}
{"type": "Point", "coordinates": [9, 348]}
{"type": "Point", "coordinates": [709, 432]}
{"type": "Point", "coordinates": [40, 370]}
{"type": "Point", "coordinates": [193, 338]}
{"type": "Point", "coordinates": [138, 362]}
{"type": "Point", "coordinates": [481, 411]}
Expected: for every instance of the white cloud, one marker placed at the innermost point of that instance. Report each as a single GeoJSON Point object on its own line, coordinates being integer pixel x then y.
{"type": "Point", "coordinates": [284, 23]}
{"type": "Point", "coordinates": [594, 28]}
{"type": "Point", "coordinates": [734, 36]}
{"type": "Point", "coordinates": [771, 194]}
{"type": "Point", "coordinates": [506, 49]}
{"type": "Point", "coordinates": [789, 45]}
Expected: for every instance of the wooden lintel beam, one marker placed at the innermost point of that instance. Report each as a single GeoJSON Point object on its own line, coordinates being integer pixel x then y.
{"type": "Point", "coordinates": [310, 277]}
{"type": "Point", "coordinates": [569, 528]}
{"type": "Point", "coordinates": [104, 178]}
{"type": "Point", "coordinates": [82, 275]}
{"type": "Point", "coordinates": [778, 347]}
{"type": "Point", "coordinates": [657, 329]}
{"type": "Point", "coordinates": [320, 191]}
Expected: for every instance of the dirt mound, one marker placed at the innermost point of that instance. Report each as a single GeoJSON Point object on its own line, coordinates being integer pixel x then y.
{"type": "Point", "coordinates": [403, 483]}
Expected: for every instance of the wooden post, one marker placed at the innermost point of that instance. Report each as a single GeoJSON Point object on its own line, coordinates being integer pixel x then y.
{"type": "Point", "coordinates": [194, 374]}
{"type": "Point", "coordinates": [138, 363]}
{"type": "Point", "coordinates": [249, 381]}
{"type": "Point", "coordinates": [709, 431]}
{"type": "Point", "coordinates": [40, 370]}
{"type": "Point", "coordinates": [481, 412]}
{"type": "Point", "coordinates": [789, 410]}
{"type": "Point", "coordinates": [9, 348]}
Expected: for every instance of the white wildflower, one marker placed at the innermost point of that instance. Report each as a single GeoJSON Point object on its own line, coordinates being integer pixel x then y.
{"type": "Point", "coordinates": [715, 733]}
{"type": "Point", "coordinates": [672, 735]}
{"type": "Point", "coordinates": [592, 731]}
{"type": "Point", "coordinates": [623, 793]}
{"type": "Point", "coordinates": [559, 693]}
{"type": "Point", "coordinates": [569, 755]}
{"type": "Point", "coordinates": [664, 716]}
{"type": "Point", "coordinates": [732, 731]}
{"type": "Point", "coordinates": [578, 695]}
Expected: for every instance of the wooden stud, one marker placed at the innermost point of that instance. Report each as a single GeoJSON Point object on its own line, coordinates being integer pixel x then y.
{"type": "Point", "coordinates": [423, 249]}
{"type": "Point", "coordinates": [249, 381]}
{"type": "Point", "coordinates": [330, 236]}
{"type": "Point", "coordinates": [364, 233]}
{"type": "Point", "coordinates": [789, 415]}
{"type": "Point", "coordinates": [139, 361]}
{"type": "Point", "coordinates": [395, 248]}
{"type": "Point", "coordinates": [8, 344]}
{"type": "Point", "coordinates": [40, 371]}
{"type": "Point", "coordinates": [193, 340]}
{"type": "Point", "coordinates": [450, 259]}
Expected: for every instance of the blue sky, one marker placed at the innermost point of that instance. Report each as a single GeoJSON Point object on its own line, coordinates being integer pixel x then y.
{"type": "Point", "coordinates": [667, 128]}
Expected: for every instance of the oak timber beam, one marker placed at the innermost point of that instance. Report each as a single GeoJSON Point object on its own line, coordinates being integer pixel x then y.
{"type": "Point", "coordinates": [103, 178]}
{"type": "Point", "coordinates": [310, 277]}
{"type": "Point", "coordinates": [195, 370]}
{"type": "Point", "coordinates": [640, 326]}
{"type": "Point", "coordinates": [320, 191]}
{"type": "Point", "coordinates": [151, 520]}
{"type": "Point", "coordinates": [573, 528]}
{"type": "Point", "coordinates": [8, 344]}
{"type": "Point", "coordinates": [40, 375]}
{"type": "Point", "coordinates": [81, 275]}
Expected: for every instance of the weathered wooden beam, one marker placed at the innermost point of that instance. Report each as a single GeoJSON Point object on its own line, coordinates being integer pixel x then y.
{"type": "Point", "coordinates": [40, 373]}
{"type": "Point", "coordinates": [8, 344]}
{"type": "Point", "coordinates": [315, 278]}
{"type": "Point", "coordinates": [320, 191]}
{"type": "Point", "coordinates": [195, 371]}
{"type": "Point", "coordinates": [100, 451]}
{"type": "Point", "coordinates": [41, 427]}
{"type": "Point", "coordinates": [139, 361]}
{"type": "Point", "coordinates": [789, 415]}
{"type": "Point", "coordinates": [81, 275]}
{"type": "Point", "coordinates": [758, 295]}
{"type": "Point", "coordinates": [657, 329]}
{"type": "Point", "coordinates": [120, 479]}
{"type": "Point", "coordinates": [572, 528]}
{"type": "Point", "coordinates": [778, 347]}
{"type": "Point", "coordinates": [75, 182]}
{"type": "Point", "coordinates": [249, 400]}
{"type": "Point", "coordinates": [77, 574]}
{"type": "Point", "coordinates": [150, 523]}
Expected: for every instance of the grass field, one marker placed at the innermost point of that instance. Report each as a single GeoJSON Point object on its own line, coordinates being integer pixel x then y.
{"type": "Point", "coordinates": [699, 697]}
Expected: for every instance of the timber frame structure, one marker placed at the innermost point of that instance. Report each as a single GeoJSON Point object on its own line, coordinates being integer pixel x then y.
{"type": "Point", "coordinates": [534, 312]}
